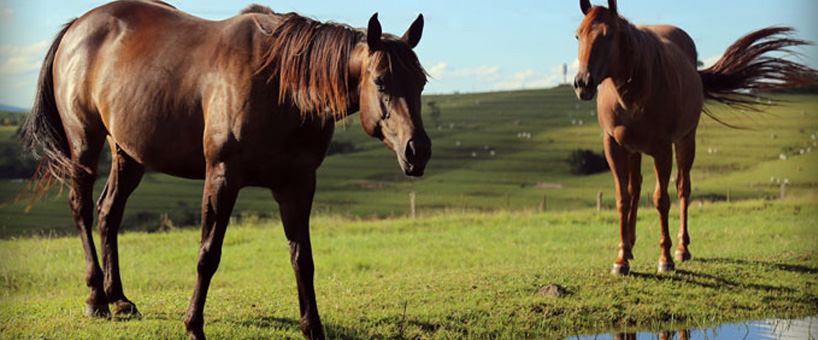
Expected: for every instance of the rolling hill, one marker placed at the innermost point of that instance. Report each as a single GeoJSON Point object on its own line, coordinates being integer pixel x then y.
{"type": "Point", "coordinates": [491, 151]}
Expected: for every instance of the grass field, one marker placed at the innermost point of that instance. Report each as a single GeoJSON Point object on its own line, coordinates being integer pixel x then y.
{"type": "Point", "coordinates": [445, 276]}
{"type": "Point", "coordinates": [464, 175]}
{"type": "Point", "coordinates": [471, 265]}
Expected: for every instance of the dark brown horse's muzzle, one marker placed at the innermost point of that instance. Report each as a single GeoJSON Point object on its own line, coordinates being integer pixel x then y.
{"type": "Point", "coordinates": [416, 155]}
{"type": "Point", "coordinates": [585, 86]}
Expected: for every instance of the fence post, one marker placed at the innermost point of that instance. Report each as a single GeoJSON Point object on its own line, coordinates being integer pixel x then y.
{"type": "Point", "coordinates": [599, 201]}
{"type": "Point", "coordinates": [728, 195]}
{"type": "Point", "coordinates": [783, 189]}
{"type": "Point", "coordinates": [542, 204]}
{"type": "Point", "coordinates": [412, 204]}
{"type": "Point", "coordinates": [508, 202]}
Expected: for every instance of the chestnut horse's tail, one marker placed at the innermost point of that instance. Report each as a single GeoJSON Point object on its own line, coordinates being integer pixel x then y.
{"type": "Point", "coordinates": [43, 135]}
{"type": "Point", "coordinates": [746, 67]}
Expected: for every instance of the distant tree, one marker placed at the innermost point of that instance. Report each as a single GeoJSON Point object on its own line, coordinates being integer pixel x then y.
{"type": "Point", "coordinates": [337, 147]}
{"type": "Point", "coordinates": [586, 162]}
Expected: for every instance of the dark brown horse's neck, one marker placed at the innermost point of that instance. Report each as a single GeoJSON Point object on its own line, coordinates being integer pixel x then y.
{"type": "Point", "coordinates": [636, 63]}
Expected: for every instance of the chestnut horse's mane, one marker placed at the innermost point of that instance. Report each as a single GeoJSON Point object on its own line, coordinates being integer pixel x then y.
{"type": "Point", "coordinates": [646, 64]}
{"type": "Point", "coordinates": [310, 60]}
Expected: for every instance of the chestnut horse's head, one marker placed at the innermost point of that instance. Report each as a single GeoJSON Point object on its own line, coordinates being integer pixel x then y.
{"type": "Point", "coordinates": [598, 36]}
{"type": "Point", "coordinates": [390, 84]}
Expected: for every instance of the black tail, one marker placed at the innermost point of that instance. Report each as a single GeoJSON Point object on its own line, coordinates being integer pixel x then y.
{"type": "Point", "coordinates": [746, 68]}
{"type": "Point", "coordinates": [43, 134]}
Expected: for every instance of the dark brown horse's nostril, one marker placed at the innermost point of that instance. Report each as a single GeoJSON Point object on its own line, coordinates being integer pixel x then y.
{"type": "Point", "coordinates": [410, 151]}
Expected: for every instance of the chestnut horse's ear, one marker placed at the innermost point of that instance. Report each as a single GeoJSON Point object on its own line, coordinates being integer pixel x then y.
{"type": "Point", "coordinates": [612, 6]}
{"type": "Point", "coordinates": [585, 5]}
{"type": "Point", "coordinates": [412, 35]}
{"type": "Point", "coordinates": [373, 33]}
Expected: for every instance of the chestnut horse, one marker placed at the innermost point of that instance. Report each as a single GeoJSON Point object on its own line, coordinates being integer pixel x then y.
{"type": "Point", "coordinates": [650, 100]}
{"type": "Point", "coordinates": [248, 101]}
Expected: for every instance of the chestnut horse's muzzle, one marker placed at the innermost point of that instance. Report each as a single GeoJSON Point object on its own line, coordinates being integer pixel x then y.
{"type": "Point", "coordinates": [585, 86]}
{"type": "Point", "coordinates": [415, 156]}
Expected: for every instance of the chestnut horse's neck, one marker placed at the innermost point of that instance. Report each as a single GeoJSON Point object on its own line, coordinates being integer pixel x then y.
{"type": "Point", "coordinates": [637, 65]}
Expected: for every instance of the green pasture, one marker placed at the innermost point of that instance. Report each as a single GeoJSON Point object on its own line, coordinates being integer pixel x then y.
{"type": "Point", "coordinates": [491, 152]}
{"type": "Point", "coordinates": [450, 275]}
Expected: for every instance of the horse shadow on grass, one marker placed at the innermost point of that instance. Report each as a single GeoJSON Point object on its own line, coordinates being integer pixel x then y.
{"type": "Point", "coordinates": [716, 281]}
{"type": "Point", "coordinates": [335, 331]}
{"type": "Point", "coordinates": [776, 266]}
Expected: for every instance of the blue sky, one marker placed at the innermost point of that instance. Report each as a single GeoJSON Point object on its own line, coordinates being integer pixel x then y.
{"type": "Point", "coordinates": [467, 46]}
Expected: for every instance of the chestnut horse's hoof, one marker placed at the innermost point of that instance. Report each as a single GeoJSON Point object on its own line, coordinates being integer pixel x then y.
{"type": "Point", "coordinates": [620, 269]}
{"type": "Point", "coordinates": [126, 309]}
{"type": "Point", "coordinates": [682, 256]}
{"type": "Point", "coordinates": [97, 311]}
{"type": "Point", "coordinates": [666, 267]}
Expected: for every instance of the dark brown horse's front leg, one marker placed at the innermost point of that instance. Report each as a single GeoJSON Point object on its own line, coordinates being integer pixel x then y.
{"type": "Point", "coordinates": [618, 160]}
{"type": "Point", "coordinates": [295, 203]}
{"type": "Point", "coordinates": [663, 162]}
{"type": "Point", "coordinates": [217, 204]}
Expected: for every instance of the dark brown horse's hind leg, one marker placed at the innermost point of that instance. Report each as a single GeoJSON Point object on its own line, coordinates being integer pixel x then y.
{"type": "Point", "coordinates": [125, 175]}
{"type": "Point", "coordinates": [295, 203]}
{"type": "Point", "coordinates": [217, 204]}
{"type": "Point", "coordinates": [685, 154]}
{"type": "Point", "coordinates": [82, 207]}
{"type": "Point", "coordinates": [663, 162]}
{"type": "Point", "coordinates": [618, 158]}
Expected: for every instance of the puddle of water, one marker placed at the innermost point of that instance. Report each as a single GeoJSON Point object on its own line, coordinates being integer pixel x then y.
{"type": "Point", "coordinates": [772, 329]}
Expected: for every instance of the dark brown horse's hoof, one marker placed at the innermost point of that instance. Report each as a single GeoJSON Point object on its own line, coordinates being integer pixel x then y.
{"type": "Point", "coordinates": [97, 311]}
{"type": "Point", "coordinates": [620, 269]}
{"type": "Point", "coordinates": [682, 256]}
{"type": "Point", "coordinates": [666, 267]}
{"type": "Point", "coordinates": [125, 309]}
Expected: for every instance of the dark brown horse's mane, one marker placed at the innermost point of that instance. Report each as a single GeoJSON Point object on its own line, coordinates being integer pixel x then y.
{"type": "Point", "coordinates": [298, 45]}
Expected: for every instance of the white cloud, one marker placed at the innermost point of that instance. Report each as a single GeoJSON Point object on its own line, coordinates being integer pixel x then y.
{"type": "Point", "coordinates": [709, 61]}
{"type": "Point", "coordinates": [482, 72]}
{"type": "Point", "coordinates": [18, 60]}
{"type": "Point", "coordinates": [438, 70]}
{"type": "Point", "coordinates": [531, 78]}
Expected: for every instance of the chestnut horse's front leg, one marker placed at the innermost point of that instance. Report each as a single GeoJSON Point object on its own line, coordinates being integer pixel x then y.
{"type": "Point", "coordinates": [685, 153]}
{"type": "Point", "coordinates": [663, 163]}
{"type": "Point", "coordinates": [618, 158]}
{"type": "Point", "coordinates": [220, 194]}
{"type": "Point", "coordinates": [295, 203]}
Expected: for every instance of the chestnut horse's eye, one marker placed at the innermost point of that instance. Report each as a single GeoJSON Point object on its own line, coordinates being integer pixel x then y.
{"type": "Point", "coordinates": [379, 84]}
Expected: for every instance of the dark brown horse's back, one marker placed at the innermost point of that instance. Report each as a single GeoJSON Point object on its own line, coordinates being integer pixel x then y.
{"type": "Point", "coordinates": [147, 69]}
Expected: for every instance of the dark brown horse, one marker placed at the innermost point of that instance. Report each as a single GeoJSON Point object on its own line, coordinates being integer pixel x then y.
{"type": "Point", "coordinates": [650, 100]}
{"type": "Point", "coordinates": [248, 101]}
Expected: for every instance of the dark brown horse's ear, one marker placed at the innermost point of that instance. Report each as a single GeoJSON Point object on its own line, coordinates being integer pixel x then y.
{"type": "Point", "coordinates": [412, 35]}
{"type": "Point", "coordinates": [612, 6]}
{"type": "Point", "coordinates": [373, 33]}
{"type": "Point", "coordinates": [585, 5]}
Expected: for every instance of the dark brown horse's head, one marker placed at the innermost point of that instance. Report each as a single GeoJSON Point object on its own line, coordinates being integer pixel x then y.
{"type": "Point", "coordinates": [391, 82]}
{"type": "Point", "coordinates": [598, 36]}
